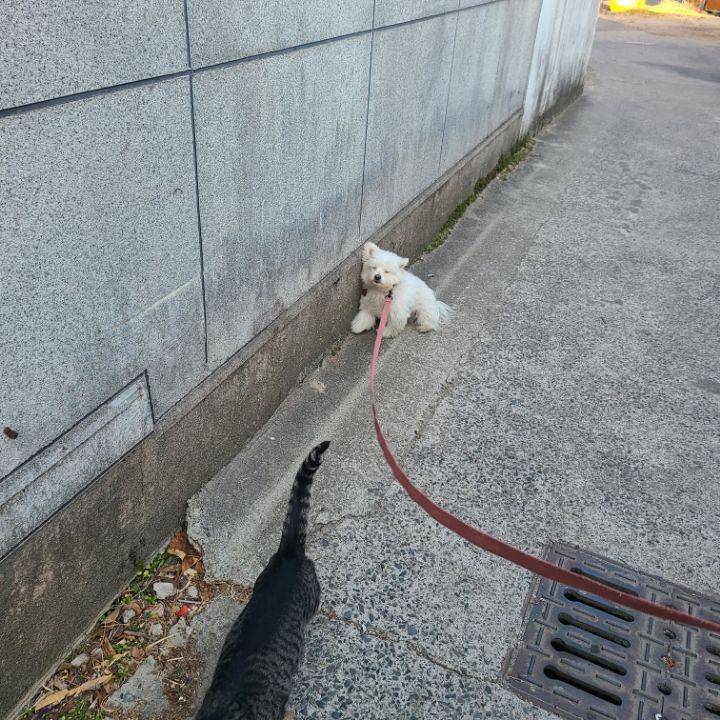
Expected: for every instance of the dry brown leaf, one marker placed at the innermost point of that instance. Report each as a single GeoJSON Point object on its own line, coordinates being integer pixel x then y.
{"type": "Point", "coordinates": [135, 606]}
{"type": "Point", "coordinates": [56, 697]}
{"type": "Point", "coordinates": [112, 617]}
{"type": "Point", "coordinates": [107, 648]}
{"type": "Point", "coordinates": [188, 562]}
{"type": "Point", "coordinates": [180, 545]}
{"type": "Point", "coordinates": [92, 684]}
{"type": "Point", "coordinates": [191, 566]}
{"type": "Point", "coordinates": [117, 657]}
{"type": "Point", "coordinates": [137, 653]}
{"type": "Point", "coordinates": [51, 699]}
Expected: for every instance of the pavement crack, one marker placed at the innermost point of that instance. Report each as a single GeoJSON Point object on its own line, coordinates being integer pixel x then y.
{"type": "Point", "coordinates": [429, 412]}
{"type": "Point", "coordinates": [319, 526]}
{"type": "Point", "coordinates": [361, 627]}
{"type": "Point", "coordinates": [412, 645]}
{"type": "Point", "coordinates": [420, 651]}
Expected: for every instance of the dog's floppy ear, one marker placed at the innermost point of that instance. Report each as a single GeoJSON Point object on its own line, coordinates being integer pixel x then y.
{"type": "Point", "coordinates": [369, 250]}
{"type": "Point", "coordinates": [404, 262]}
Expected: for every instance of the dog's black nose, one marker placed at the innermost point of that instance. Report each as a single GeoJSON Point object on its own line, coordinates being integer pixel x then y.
{"type": "Point", "coordinates": [377, 278]}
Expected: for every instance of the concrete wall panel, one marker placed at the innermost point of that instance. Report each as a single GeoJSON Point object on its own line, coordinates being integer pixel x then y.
{"type": "Point", "coordinates": [222, 30]}
{"type": "Point", "coordinates": [100, 261]}
{"type": "Point", "coordinates": [50, 49]}
{"type": "Point", "coordinates": [472, 89]}
{"type": "Point", "coordinates": [408, 100]}
{"type": "Point", "coordinates": [513, 26]}
{"type": "Point", "coordinates": [280, 152]}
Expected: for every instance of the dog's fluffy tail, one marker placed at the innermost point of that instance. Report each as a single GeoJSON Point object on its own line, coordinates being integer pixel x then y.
{"type": "Point", "coordinates": [445, 312]}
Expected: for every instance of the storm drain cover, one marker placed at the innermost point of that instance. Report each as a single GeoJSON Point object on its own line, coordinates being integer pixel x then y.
{"type": "Point", "coordinates": [583, 658]}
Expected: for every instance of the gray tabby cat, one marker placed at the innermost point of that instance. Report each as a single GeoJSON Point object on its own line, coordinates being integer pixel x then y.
{"type": "Point", "coordinates": [261, 654]}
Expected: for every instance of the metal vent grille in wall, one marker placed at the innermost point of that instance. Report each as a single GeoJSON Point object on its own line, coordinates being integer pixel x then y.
{"type": "Point", "coordinates": [585, 659]}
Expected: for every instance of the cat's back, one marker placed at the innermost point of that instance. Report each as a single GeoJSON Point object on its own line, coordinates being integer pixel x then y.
{"type": "Point", "coordinates": [263, 649]}
{"type": "Point", "coordinates": [277, 601]}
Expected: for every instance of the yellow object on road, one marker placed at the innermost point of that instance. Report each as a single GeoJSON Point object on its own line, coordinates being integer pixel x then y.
{"type": "Point", "coordinates": [663, 7]}
{"type": "Point", "coordinates": [625, 5]}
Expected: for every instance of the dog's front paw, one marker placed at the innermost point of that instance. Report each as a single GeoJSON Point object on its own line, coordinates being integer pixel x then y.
{"type": "Point", "coordinates": [362, 322]}
{"type": "Point", "coordinates": [390, 332]}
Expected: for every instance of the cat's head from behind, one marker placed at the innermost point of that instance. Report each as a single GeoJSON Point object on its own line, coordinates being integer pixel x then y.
{"type": "Point", "coordinates": [381, 269]}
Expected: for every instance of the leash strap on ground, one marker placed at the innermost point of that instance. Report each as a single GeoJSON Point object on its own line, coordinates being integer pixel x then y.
{"type": "Point", "coordinates": [508, 552]}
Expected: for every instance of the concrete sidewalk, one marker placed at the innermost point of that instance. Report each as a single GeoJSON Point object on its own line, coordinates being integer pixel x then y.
{"type": "Point", "coordinates": [575, 396]}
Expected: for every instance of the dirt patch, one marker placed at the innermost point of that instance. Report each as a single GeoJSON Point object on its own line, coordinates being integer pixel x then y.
{"type": "Point", "coordinates": [180, 671]}
{"type": "Point", "coordinates": [145, 621]}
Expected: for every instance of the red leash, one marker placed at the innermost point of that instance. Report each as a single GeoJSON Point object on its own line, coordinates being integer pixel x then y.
{"type": "Point", "coordinates": [503, 550]}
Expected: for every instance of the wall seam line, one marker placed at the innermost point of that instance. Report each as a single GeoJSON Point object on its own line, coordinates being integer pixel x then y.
{"type": "Point", "coordinates": [367, 122]}
{"type": "Point", "coordinates": [199, 219]}
{"type": "Point", "coordinates": [197, 180]}
{"type": "Point", "coordinates": [187, 34]}
{"type": "Point", "coordinates": [447, 98]}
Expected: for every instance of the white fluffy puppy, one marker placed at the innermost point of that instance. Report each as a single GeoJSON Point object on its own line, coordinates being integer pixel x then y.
{"type": "Point", "coordinates": [383, 271]}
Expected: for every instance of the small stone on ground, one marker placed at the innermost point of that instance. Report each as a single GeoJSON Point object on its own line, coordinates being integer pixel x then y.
{"type": "Point", "coordinates": [163, 590]}
{"type": "Point", "coordinates": [142, 694]}
{"type": "Point", "coordinates": [80, 660]}
{"type": "Point", "coordinates": [156, 630]}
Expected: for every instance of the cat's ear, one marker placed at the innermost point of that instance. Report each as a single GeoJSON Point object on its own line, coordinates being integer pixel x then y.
{"type": "Point", "coordinates": [369, 249]}
{"type": "Point", "coordinates": [404, 262]}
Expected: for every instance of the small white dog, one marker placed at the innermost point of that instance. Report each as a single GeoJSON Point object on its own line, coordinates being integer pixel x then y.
{"type": "Point", "coordinates": [384, 271]}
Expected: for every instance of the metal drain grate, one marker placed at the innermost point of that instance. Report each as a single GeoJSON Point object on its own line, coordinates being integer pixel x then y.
{"type": "Point", "coordinates": [585, 659]}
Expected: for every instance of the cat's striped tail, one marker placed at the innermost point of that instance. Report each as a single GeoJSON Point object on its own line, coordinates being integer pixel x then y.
{"type": "Point", "coordinates": [295, 528]}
